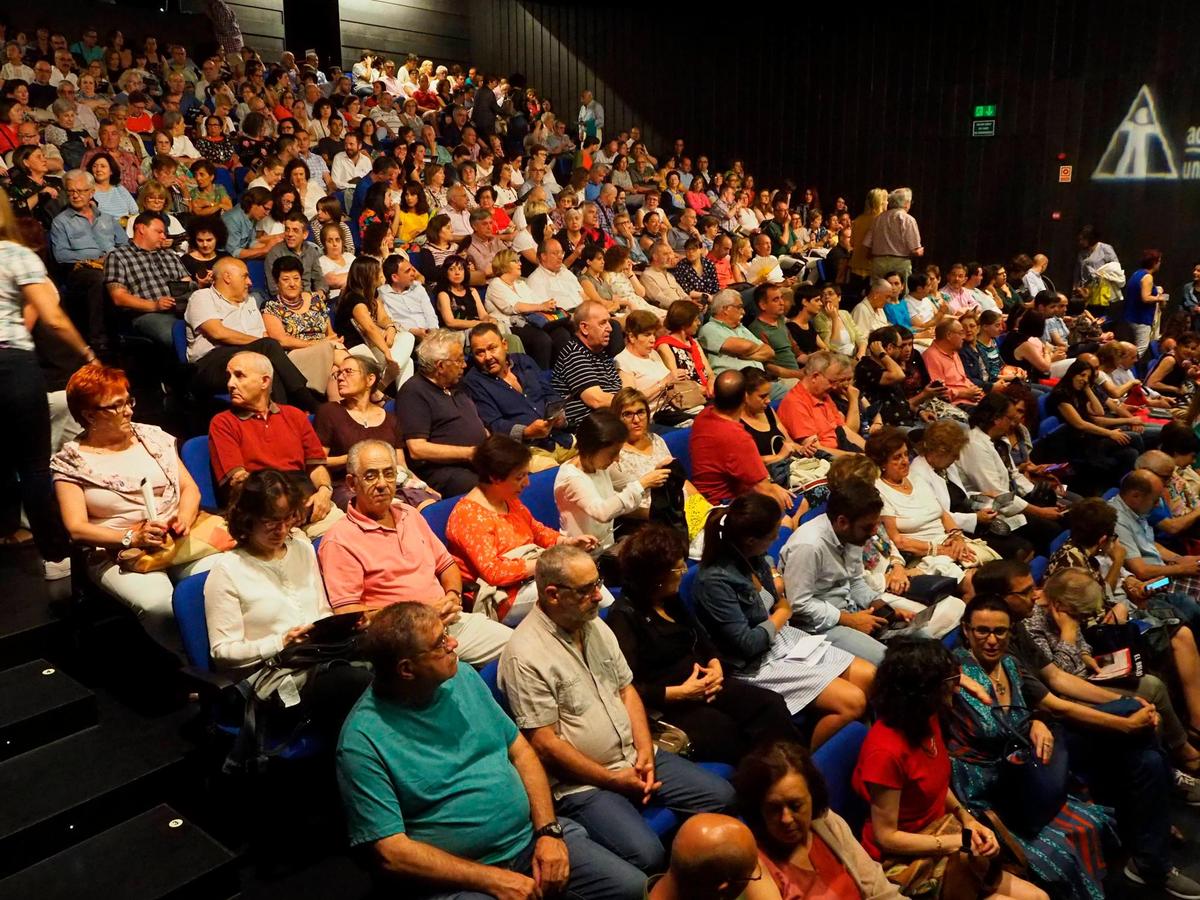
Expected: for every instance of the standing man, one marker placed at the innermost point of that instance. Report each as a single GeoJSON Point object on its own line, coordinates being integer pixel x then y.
{"type": "Point", "coordinates": [895, 238]}
{"type": "Point", "coordinates": [590, 118]}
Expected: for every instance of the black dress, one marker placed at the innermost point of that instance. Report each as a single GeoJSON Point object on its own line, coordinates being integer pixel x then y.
{"type": "Point", "coordinates": [661, 653]}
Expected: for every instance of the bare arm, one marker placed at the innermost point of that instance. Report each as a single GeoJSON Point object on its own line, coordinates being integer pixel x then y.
{"type": "Point", "coordinates": [885, 817]}
{"type": "Point", "coordinates": [219, 334]}
{"type": "Point", "coordinates": [743, 348]}
{"type": "Point", "coordinates": [567, 762]}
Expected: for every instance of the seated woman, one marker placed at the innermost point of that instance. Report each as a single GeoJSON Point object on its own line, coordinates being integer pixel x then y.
{"type": "Point", "coordinates": [801, 324]}
{"type": "Point", "coordinates": [624, 284]}
{"type": "Point", "coordinates": [153, 197]}
{"type": "Point", "coordinates": [206, 237]}
{"type": "Point", "coordinates": [678, 347]}
{"type": "Point", "coordinates": [206, 197]}
{"type": "Point", "coordinates": [1173, 374]}
{"type": "Point", "coordinates": [111, 196]}
{"type": "Point", "coordinates": [645, 451]}
{"type": "Point", "coordinates": [641, 368]}
{"type": "Point", "coordinates": [739, 598]}
{"type": "Point", "coordinates": [588, 501]}
{"type": "Point", "coordinates": [804, 847]}
{"type": "Point", "coordinates": [366, 329]}
{"type": "Point", "coordinates": [299, 321]}
{"type": "Point", "coordinates": [457, 303]}
{"type": "Point", "coordinates": [914, 519]}
{"type": "Point", "coordinates": [265, 596]}
{"type": "Point", "coordinates": [98, 479]}
{"type": "Point", "coordinates": [1064, 847]}
{"type": "Point", "coordinates": [336, 259]}
{"type": "Point", "coordinates": [1023, 346]}
{"type": "Point", "coordinates": [676, 669]}
{"type": "Point", "coordinates": [494, 537]}
{"type": "Point", "coordinates": [342, 423]}
{"type": "Point", "coordinates": [1098, 447]}
{"type": "Point", "coordinates": [916, 822]}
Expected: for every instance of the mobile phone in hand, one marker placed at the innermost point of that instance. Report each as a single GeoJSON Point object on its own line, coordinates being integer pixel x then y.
{"type": "Point", "coordinates": [967, 836]}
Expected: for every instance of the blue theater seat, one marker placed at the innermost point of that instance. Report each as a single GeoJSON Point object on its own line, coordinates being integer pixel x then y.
{"type": "Point", "coordinates": [195, 456]}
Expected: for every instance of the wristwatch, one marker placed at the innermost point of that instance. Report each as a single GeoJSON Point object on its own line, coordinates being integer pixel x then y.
{"type": "Point", "coordinates": [127, 538]}
{"type": "Point", "coordinates": [551, 829]}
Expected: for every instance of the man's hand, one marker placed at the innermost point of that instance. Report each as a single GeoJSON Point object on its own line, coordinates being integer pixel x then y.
{"type": "Point", "coordinates": [450, 608]}
{"type": "Point", "coordinates": [319, 503]}
{"type": "Point", "coordinates": [644, 767]}
{"type": "Point", "coordinates": [163, 304]}
{"type": "Point", "coordinates": [537, 429]}
{"type": "Point", "coordinates": [986, 515]}
{"type": "Point", "coordinates": [510, 885]}
{"type": "Point", "coordinates": [551, 865]}
{"type": "Point", "coordinates": [1146, 717]}
{"type": "Point", "coordinates": [864, 620]}
{"type": "Point", "coordinates": [897, 581]}
{"type": "Point", "coordinates": [627, 781]}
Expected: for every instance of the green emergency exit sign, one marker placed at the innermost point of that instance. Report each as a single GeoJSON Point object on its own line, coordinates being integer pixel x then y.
{"type": "Point", "coordinates": [987, 111]}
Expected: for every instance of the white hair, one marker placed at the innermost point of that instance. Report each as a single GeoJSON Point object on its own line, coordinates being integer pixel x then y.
{"type": "Point", "coordinates": [723, 299]}
{"type": "Point", "coordinates": [899, 198]}
{"type": "Point", "coordinates": [77, 175]}
{"type": "Point", "coordinates": [436, 347]}
{"type": "Point", "coordinates": [355, 453]}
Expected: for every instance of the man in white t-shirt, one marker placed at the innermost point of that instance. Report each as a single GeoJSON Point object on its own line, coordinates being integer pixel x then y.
{"type": "Point", "coordinates": [350, 165]}
{"type": "Point", "coordinates": [869, 314]}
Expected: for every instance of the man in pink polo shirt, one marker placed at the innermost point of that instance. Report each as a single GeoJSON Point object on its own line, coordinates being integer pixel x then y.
{"type": "Point", "coordinates": [945, 365]}
{"type": "Point", "coordinates": [384, 552]}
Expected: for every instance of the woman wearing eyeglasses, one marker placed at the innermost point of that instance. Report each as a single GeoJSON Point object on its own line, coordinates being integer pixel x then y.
{"type": "Point", "coordinates": [100, 479]}
{"type": "Point", "coordinates": [1005, 759]}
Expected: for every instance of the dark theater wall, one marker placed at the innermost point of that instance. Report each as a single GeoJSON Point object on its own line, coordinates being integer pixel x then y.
{"type": "Point", "coordinates": [845, 102]}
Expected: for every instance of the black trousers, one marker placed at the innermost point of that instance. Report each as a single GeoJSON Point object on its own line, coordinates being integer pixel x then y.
{"type": "Point", "coordinates": [84, 299]}
{"type": "Point", "coordinates": [288, 385]}
{"type": "Point", "coordinates": [739, 717]}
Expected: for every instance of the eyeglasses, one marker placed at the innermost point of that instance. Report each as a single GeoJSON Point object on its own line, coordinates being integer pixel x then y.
{"type": "Point", "coordinates": [118, 405]}
{"type": "Point", "coordinates": [982, 632]}
{"type": "Point", "coordinates": [442, 645]}
{"type": "Point", "coordinates": [372, 475]}
{"type": "Point", "coordinates": [634, 414]}
{"type": "Point", "coordinates": [583, 590]}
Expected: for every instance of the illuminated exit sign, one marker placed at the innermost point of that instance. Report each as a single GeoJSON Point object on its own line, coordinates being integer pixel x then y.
{"type": "Point", "coordinates": [986, 111]}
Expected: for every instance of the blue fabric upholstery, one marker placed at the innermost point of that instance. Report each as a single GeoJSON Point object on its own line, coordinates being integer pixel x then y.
{"type": "Point", "coordinates": [179, 340]}
{"type": "Point", "coordinates": [685, 587]}
{"type": "Point", "coordinates": [1063, 537]}
{"type": "Point", "coordinates": [538, 497]}
{"type": "Point", "coordinates": [1110, 493]}
{"type": "Point", "coordinates": [195, 456]}
{"type": "Point", "coordinates": [225, 179]}
{"type": "Point", "coordinates": [438, 514]}
{"type": "Point", "coordinates": [1048, 425]}
{"type": "Point", "coordinates": [188, 604]}
{"type": "Point", "coordinates": [813, 513]}
{"type": "Point", "coordinates": [258, 275]}
{"type": "Point", "coordinates": [677, 442]}
{"type": "Point", "coordinates": [1037, 568]}
{"type": "Point", "coordinates": [836, 759]}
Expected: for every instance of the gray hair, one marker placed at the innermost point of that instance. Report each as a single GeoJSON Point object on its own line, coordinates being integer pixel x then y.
{"type": "Point", "coordinates": [1155, 461]}
{"type": "Point", "coordinates": [823, 360]}
{"type": "Point", "coordinates": [171, 118]}
{"type": "Point", "coordinates": [355, 453]}
{"type": "Point", "coordinates": [479, 215]}
{"type": "Point", "coordinates": [62, 105]}
{"type": "Point", "coordinates": [582, 311]}
{"type": "Point", "coordinates": [256, 362]}
{"type": "Point", "coordinates": [552, 565]}
{"type": "Point", "coordinates": [899, 198]}
{"type": "Point", "coordinates": [436, 347]}
{"type": "Point", "coordinates": [80, 175]}
{"type": "Point", "coordinates": [880, 286]}
{"type": "Point", "coordinates": [608, 188]}
{"type": "Point", "coordinates": [723, 299]}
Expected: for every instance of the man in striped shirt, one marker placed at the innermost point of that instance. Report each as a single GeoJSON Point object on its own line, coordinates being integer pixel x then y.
{"type": "Point", "coordinates": [584, 372]}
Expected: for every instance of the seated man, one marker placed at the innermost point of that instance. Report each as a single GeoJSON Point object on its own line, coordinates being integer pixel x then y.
{"type": "Point", "coordinates": [713, 857]}
{"type": "Point", "coordinates": [483, 247]}
{"type": "Point", "coordinates": [81, 237]}
{"type": "Point", "coordinates": [295, 243]}
{"type": "Point", "coordinates": [384, 552]}
{"type": "Point", "coordinates": [1111, 737]}
{"type": "Point", "coordinates": [242, 222]}
{"type": "Point", "coordinates": [945, 366]}
{"type": "Point", "coordinates": [869, 313]}
{"type": "Point", "coordinates": [513, 398]}
{"type": "Point", "coordinates": [731, 345]}
{"type": "Point", "coordinates": [572, 694]}
{"type": "Point", "coordinates": [438, 418]}
{"type": "Point", "coordinates": [822, 565]}
{"type": "Point", "coordinates": [256, 433]}
{"type": "Point", "coordinates": [770, 327]}
{"type": "Point", "coordinates": [662, 287]}
{"type": "Point", "coordinates": [552, 280]}
{"type": "Point", "coordinates": [584, 371]}
{"type": "Point", "coordinates": [405, 298]}
{"type": "Point", "coordinates": [224, 320]}
{"type": "Point", "coordinates": [138, 277]}
{"type": "Point", "coordinates": [444, 789]}
{"type": "Point", "coordinates": [809, 409]}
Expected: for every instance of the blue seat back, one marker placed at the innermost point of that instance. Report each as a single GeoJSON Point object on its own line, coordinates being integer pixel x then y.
{"type": "Point", "coordinates": [1056, 544]}
{"type": "Point", "coordinates": [225, 179]}
{"type": "Point", "coordinates": [678, 442]}
{"type": "Point", "coordinates": [777, 546]}
{"type": "Point", "coordinates": [818, 510]}
{"type": "Point", "coordinates": [179, 340]}
{"type": "Point", "coordinates": [835, 760]}
{"type": "Point", "coordinates": [188, 604]}
{"type": "Point", "coordinates": [538, 497]}
{"type": "Point", "coordinates": [1037, 568]}
{"type": "Point", "coordinates": [258, 275]}
{"type": "Point", "coordinates": [1048, 426]}
{"type": "Point", "coordinates": [1041, 402]}
{"type": "Point", "coordinates": [685, 587]}
{"type": "Point", "coordinates": [1111, 492]}
{"type": "Point", "coordinates": [195, 455]}
{"type": "Point", "coordinates": [438, 514]}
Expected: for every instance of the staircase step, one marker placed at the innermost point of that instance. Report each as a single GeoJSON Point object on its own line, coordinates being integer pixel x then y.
{"type": "Point", "coordinates": [153, 856]}
{"type": "Point", "coordinates": [31, 622]}
{"type": "Point", "coordinates": [40, 704]}
{"type": "Point", "coordinates": [71, 789]}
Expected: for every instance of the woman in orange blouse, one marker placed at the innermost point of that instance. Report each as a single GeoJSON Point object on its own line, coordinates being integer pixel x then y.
{"type": "Point", "coordinates": [490, 521]}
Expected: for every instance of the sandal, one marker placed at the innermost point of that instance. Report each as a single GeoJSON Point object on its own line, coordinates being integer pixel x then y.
{"type": "Point", "coordinates": [18, 538]}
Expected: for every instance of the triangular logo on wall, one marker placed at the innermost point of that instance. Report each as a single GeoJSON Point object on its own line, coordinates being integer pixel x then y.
{"type": "Point", "coordinates": [1138, 149]}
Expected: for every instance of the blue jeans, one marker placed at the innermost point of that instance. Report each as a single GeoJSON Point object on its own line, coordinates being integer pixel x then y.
{"type": "Point", "coordinates": [616, 822]}
{"type": "Point", "coordinates": [157, 326]}
{"type": "Point", "coordinates": [854, 641]}
{"type": "Point", "coordinates": [595, 873]}
{"type": "Point", "coordinates": [1187, 609]}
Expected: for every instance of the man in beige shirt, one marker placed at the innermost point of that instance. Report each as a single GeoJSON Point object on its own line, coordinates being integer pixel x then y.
{"type": "Point", "coordinates": [895, 238]}
{"type": "Point", "coordinates": [571, 693]}
{"type": "Point", "coordinates": [661, 287]}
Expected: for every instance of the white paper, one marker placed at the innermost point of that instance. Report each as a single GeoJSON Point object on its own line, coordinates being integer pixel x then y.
{"type": "Point", "coordinates": [148, 500]}
{"type": "Point", "coordinates": [805, 646]}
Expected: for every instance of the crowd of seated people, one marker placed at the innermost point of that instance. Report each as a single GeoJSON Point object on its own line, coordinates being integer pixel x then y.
{"type": "Point", "coordinates": [776, 464]}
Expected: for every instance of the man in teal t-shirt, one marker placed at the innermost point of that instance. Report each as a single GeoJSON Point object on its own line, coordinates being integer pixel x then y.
{"type": "Point", "coordinates": [442, 785]}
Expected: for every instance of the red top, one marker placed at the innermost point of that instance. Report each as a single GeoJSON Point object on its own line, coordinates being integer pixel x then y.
{"type": "Point", "coordinates": [282, 439]}
{"type": "Point", "coordinates": [826, 880]}
{"type": "Point", "coordinates": [802, 415]}
{"type": "Point", "coordinates": [725, 461]}
{"type": "Point", "coordinates": [888, 760]}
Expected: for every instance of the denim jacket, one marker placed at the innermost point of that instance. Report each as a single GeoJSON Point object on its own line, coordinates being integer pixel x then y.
{"type": "Point", "coordinates": [729, 607]}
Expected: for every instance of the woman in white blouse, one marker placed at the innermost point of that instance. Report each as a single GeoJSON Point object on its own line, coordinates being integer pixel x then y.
{"type": "Point", "coordinates": [640, 367]}
{"type": "Point", "coordinates": [936, 466]}
{"type": "Point", "coordinates": [509, 299]}
{"type": "Point", "coordinates": [587, 500]}
{"type": "Point", "coordinates": [335, 261]}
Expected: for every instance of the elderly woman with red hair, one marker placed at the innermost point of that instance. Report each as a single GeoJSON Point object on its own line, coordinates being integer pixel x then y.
{"type": "Point", "coordinates": [101, 479]}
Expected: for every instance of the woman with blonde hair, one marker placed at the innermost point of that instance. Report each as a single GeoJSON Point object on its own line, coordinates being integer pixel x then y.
{"type": "Point", "coordinates": [876, 203]}
{"type": "Point", "coordinates": [153, 197]}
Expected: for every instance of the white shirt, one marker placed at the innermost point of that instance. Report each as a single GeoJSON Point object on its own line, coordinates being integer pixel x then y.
{"type": "Point", "coordinates": [328, 266]}
{"type": "Point", "coordinates": [562, 287]}
{"type": "Point", "coordinates": [921, 470]}
{"type": "Point", "coordinates": [183, 146]}
{"type": "Point", "coordinates": [983, 470]}
{"type": "Point", "coordinates": [460, 220]}
{"type": "Point", "coordinates": [588, 503]}
{"type": "Point", "coordinates": [646, 372]}
{"type": "Point", "coordinates": [251, 603]}
{"type": "Point", "coordinates": [344, 169]}
{"type": "Point", "coordinates": [823, 576]}
{"type": "Point", "coordinates": [9, 72]}
{"type": "Point", "coordinates": [922, 310]}
{"type": "Point", "coordinates": [314, 192]}
{"type": "Point", "coordinates": [918, 514]}
{"type": "Point", "coordinates": [501, 300]}
{"type": "Point", "coordinates": [1034, 283]}
{"type": "Point", "coordinates": [57, 77]}
{"type": "Point", "coordinates": [867, 318]}
{"type": "Point", "coordinates": [207, 305]}
{"type": "Point", "coordinates": [410, 308]}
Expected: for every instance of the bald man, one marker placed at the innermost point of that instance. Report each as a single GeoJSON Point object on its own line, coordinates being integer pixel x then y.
{"type": "Point", "coordinates": [713, 857]}
{"type": "Point", "coordinates": [224, 319]}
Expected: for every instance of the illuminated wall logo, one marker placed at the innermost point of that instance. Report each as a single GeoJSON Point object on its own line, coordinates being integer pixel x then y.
{"type": "Point", "coordinates": [1138, 149]}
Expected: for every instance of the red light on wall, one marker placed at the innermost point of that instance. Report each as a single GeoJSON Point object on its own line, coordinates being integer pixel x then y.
{"type": "Point", "coordinates": [1062, 156]}
{"type": "Point", "coordinates": [1056, 215]}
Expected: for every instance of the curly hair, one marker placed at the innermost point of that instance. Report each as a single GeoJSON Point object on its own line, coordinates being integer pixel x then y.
{"type": "Point", "coordinates": [762, 768]}
{"type": "Point", "coordinates": [883, 443]}
{"type": "Point", "coordinates": [260, 497]}
{"type": "Point", "coordinates": [907, 691]}
{"type": "Point", "coordinates": [645, 556]}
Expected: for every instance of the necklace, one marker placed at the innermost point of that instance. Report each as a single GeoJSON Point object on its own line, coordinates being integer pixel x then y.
{"type": "Point", "coordinates": [288, 304]}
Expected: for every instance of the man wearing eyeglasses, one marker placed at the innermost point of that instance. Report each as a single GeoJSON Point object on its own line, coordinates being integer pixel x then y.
{"type": "Point", "coordinates": [438, 782]}
{"type": "Point", "coordinates": [572, 695]}
{"type": "Point", "coordinates": [1111, 737]}
{"type": "Point", "coordinates": [809, 409]}
{"type": "Point", "coordinates": [731, 345]}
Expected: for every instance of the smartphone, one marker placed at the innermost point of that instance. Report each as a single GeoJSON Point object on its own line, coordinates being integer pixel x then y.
{"type": "Point", "coordinates": [1158, 584]}
{"type": "Point", "coordinates": [937, 384]}
{"type": "Point", "coordinates": [966, 841]}
{"type": "Point", "coordinates": [1056, 467]}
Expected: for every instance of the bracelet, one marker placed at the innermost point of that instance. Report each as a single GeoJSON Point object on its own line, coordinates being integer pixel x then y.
{"type": "Point", "coordinates": [319, 486]}
{"type": "Point", "coordinates": [938, 838]}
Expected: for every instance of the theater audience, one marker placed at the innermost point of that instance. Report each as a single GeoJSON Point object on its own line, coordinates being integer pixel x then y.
{"type": "Point", "coordinates": [595, 741]}
{"type": "Point", "coordinates": [945, 366]}
{"type": "Point", "coordinates": [731, 345]}
{"type": "Point", "coordinates": [364, 326]}
{"type": "Point", "coordinates": [296, 244]}
{"type": "Point", "coordinates": [383, 552]}
{"type": "Point", "coordinates": [408, 764]}
{"type": "Point", "coordinates": [1099, 447]}
{"type": "Point", "coordinates": [740, 599]}
{"type": "Point", "coordinates": [512, 304]}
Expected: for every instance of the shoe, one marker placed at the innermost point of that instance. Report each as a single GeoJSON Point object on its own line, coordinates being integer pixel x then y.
{"type": "Point", "coordinates": [57, 570]}
{"type": "Point", "coordinates": [1176, 883]}
{"type": "Point", "coordinates": [1187, 788]}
